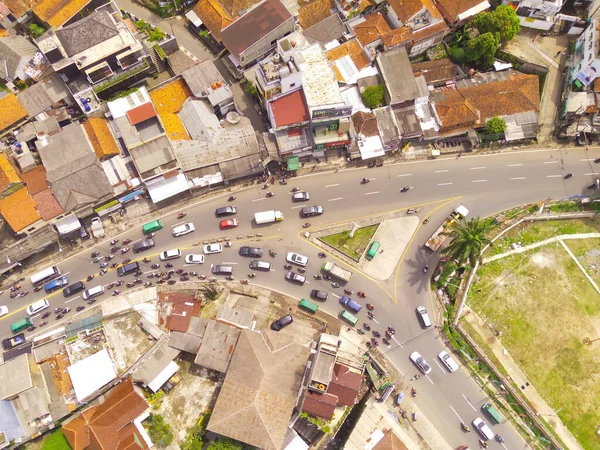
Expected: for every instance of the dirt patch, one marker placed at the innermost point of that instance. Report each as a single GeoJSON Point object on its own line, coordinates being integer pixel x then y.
{"type": "Point", "coordinates": [58, 368]}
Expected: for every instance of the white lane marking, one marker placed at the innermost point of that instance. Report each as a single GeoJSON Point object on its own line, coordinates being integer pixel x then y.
{"type": "Point", "coordinates": [592, 173]}
{"type": "Point", "coordinates": [335, 295]}
{"type": "Point", "coordinates": [35, 317]}
{"type": "Point", "coordinates": [553, 176]}
{"type": "Point", "coordinates": [405, 175]}
{"type": "Point", "coordinates": [177, 224]}
{"type": "Point", "coordinates": [427, 376]}
{"type": "Point", "coordinates": [335, 199]}
{"type": "Point", "coordinates": [519, 178]}
{"type": "Point", "coordinates": [371, 193]}
{"type": "Point", "coordinates": [445, 184]}
{"type": "Point", "coordinates": [374, 320]}
{"type": "Point", "coordinates": [439, 365]}
{"type": "Point", "coordinates": [296, 207]}
{"type": "Point", "coordinates": [332, 185]}
{"type": "Point", "coordinates": [307, 282]}
{"type": "Point", "coordinates": [470, 404]}
{"type": "Point", "coordinates": [397, 342]}
{"type": "Point", "coordinates": [514, 165]}
{"type": "Point", "coordinates": [225, 262]}
{"type": "Point", "coordinates": [74, 298]}
{"type": "Point", "coordinates": [587, 159]}
{"type": "Point", "coordinates": [456, 414]}
{"type": "Point", "coordinates": [441, 171]}
{"type": "Point", "coordinates": [479, 181]}
{"type": "Point", "coordinates": [550, 162]}
{"type": "Point", "coordinates": [478, 168]}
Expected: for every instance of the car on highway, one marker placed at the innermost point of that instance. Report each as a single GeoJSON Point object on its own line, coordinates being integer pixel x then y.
{"type": "Point", "coordinates": [74, 288]}
{"type": "Point", "coordinates": [420, 362]}
{"type": "Point", "coordinates": [282, 322]}
{"type": "Point", "coordinates": [14, 341]}
{"type": "Point", "coordinates": [448, 361]}
{"type": "Point", "coordinates": [209, 249]}
{"type": "Point", "coordinates": [311, 211]}
{"type": "Point", "coordinates": [295, 277]}
{"type": "Point", "coordinates": [260, 265]}
{"type": "Point", "coordinates": [252, 252]}
{"type": "Point", "coordinates": [182, 230]}
{"type": "Point", "coordinates": [227, 224]}
{"type": "Point", "coordinates": [57, 284]}
{"type": "Point", "coordinates": [350, 304]}
{"type": "Point", "coordinates": [300, 197]}
{"type": "Point", "coordinates": [482, 428]}
{"type": "Point", "coordinates": [295, 258]}
{"type": "Point", "coordinates": [423, 317]}
{"type": "Point", "coordinates": [143, 245]}
{"type": "Point", "coordinates": [170, 254]}
{"type": "Point", "coordinates": [3, 310]}
{"type": "Point", "coordinates": [319, 295]}
{"type": "Point", "coordinates": [194, 259]}
{"type": "Point", "coordinates": [226, 211]}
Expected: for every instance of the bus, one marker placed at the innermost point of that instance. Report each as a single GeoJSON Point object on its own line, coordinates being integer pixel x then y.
{"type": "Point", "coordinates": [44, 276]}
{"type": "Point", "coordinates": [153, 226]}
{"type": "Point", "coordinates": [21, 325]}
{"type": "Point", "coordinates": [493, 413]}
{"type": "Point", "coordinates": [373, 250]}
{"type": "Point", "coordinates": [308, 306]}
{"type": "Point", "coordinates": [348, 317]}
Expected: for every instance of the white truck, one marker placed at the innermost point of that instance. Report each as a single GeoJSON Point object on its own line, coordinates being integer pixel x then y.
{"type": "Point", "coordinates": [337, 271]}
{"type": "Point", "coordinates": [268, 217]}
{"type": "Point", "coordinates": [437, 238]}
{"type": "Point", "coordinates": [97, 228]}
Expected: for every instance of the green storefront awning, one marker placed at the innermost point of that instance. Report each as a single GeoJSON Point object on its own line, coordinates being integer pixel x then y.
{"type": "Point", "coordinates": [293, 163]}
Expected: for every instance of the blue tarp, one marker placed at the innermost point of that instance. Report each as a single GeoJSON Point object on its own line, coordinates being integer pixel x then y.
{"type": "Point", "coordinates": [128, 197]}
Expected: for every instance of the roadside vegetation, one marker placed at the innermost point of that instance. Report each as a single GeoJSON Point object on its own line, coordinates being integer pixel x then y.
{"type": "Point", "coordinates": [351, 246]}
{"type": "Point", "coordinates": [56, 441]}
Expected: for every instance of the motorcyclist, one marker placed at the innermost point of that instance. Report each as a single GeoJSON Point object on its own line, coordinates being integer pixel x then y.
{"type": "Point", "coordinates": [365, 180]}
{"type": "Point", "coordinates": [426, 268]}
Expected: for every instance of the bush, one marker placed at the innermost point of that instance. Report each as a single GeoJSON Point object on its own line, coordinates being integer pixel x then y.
{"type": "Point", "coordinates": [251, 90]}
{"type": "Point", "coordinates": [156, 35]}
{"type": "Point", "coordinates": [225, 444]}
{"type": "Point", "coordinates": [496, 125]}
{"type": "Point", "coordinates": [373, 96]}
{"type": "Point", "coordinates": [458, 55]}
{"type": "Point", "coordinates": [36, 31]}
{"type": "Point", "coordinates": [158, 430]}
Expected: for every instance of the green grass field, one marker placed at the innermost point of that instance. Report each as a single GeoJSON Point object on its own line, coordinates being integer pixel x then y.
{"type": "Point", "coordinates": [56, 441]}
{"type": "Point", "coordinates": [356, 245]}
{"type": "Point", "coordinates": [545, 308]}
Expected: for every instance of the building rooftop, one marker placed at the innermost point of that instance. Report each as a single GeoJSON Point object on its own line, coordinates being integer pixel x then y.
{"type": "Point", "coordinates": [217, 347]}
{"type": "Point", "coordinates": [44, 94]}
{"type": "Point", "coordinates": [260, 390]}
{"type": "Point", "coordinates": [153, 157]}
{"type": "Point", "coordinates": [289, 109]}
{"type": "Point", "coordinates": [47, 205]}
{"type": "Point", "coordinates": [19, 210]}
{"type": "Point", "coordinates": [214, 16]}
{"type": "Point", "coordinates": [370, 28]}
{"type": "Point", "coordinates": [318, 78]}
{"type": "Point", "coordinates": [8, 174]}
{"type": "Point", "coordinates": [365, 124]}
{"type": "Point", "coordinates": [57, 12]}
{"type": "Point", "coordinates": [100, 136]}
{"type": "Point", "coordinates": [15, 376]}
{"type": "Point", "coordinates": [190, 340]}
{"type": "Point", "coordinates": [314, 12]}
{"type": "Point", "coordinates": [200, 121]}
{"type": "Point", "coordinates": [329, 29]}
{"type": "Point", "coordinates": [155, 363]}
{"type": "Point", "coordinates": [35, 179]}
{"type": "Point", "coordinates": [454, 10]}
{"type": "Point", "coordinates": [390, 441]}
{"type": "Point", "coordinates": [320, 404]}
{"type": "Point", "coordinates": [13, 50]}
{"type": "Point", "coordinates": [254, 25]}
{"type": "Point", "coordinates": [400, 82]}
{"type": "Point", "coordinates": [347, 60]}
{"type": "Point", "coordinates": [386, 123]}
{"type": "Point", "coordinates": [88, 32]}
{"type": "Point", "coordinates": [168, 101]}
{"type": "Point", "coordinates": [179, 62]}
{"type": "Point", "coordinates": [12, 111]}
{"type": "Point", "coordinates": [232, 316]}
{"type": "Point", "coordinates": [120, 106]}
{"type": "Point", "coordinates": [436, 72]}
{"type": "Point", "coordinates": [91, 373]}
{"type": "Point", "coordinates": [205, 81]}
{"type": "Point", "coordinates": [345, 384]}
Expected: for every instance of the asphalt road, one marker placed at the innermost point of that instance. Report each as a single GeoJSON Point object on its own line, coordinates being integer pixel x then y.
{"type": "Point", "coordinates": [484, 184]}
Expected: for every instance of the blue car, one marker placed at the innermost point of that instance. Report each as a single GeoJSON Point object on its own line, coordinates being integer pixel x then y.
{"type": "Point", "coordinates": [54, 285]}
{"type": "Point", "coordinates": [350, 304]}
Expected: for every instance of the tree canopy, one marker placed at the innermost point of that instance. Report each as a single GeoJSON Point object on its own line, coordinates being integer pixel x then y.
{"type": "Point", "coordinates": [481, 49]}
{"type": "Point", "coordinates": [225, 444]}
{"type": "Point", "coordinates": [503, 20]}
{"type": "Point", "coordinates": [159, 430]}
{"type": "Point", "coordinates": [495, 125]}
{"type": "Point", "coordinates": [468, 240]}
{"type": "Point", "coordinates": [373, 96]}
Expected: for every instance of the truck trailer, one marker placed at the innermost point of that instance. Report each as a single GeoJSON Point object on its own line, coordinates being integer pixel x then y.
{"type": "Point", "coordinates": [437, 238]}
{"type": "Point", "coordinates": [268, 217]}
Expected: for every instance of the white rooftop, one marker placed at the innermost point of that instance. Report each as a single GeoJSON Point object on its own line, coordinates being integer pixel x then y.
{"type": "Point", "coordinates": [92, 373]}
{"type": "Point", "coordinates": [318, 78]}
{"type": "Point", "coordinates": [119, 107]}
{"type": "Point", "coordinates": [163, 376]}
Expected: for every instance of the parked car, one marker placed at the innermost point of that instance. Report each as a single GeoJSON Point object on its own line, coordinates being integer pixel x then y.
{"type": "Point", "coordinates": [183, 229]}
{"type": "Point", "coordinates": [420, 362]}
{"type": "Point", "coordinates": [319, 295]}
{"type": "Point", "coordinates": [300, 197]}
{"type": "Point", "coordinates": [282, 322]}
{"type": "Point", "coordinates": [295, 277]}
{"type": "Point", "coordinates": [311, 211]}
{"type": "Point", "coordinates": [170, 254]}
{"type": "Point", "coordinates": [13, 342]}
{"type": "Point", "coordinates": [209, 249]}
{"type": "Point", "coordinates": [448, 361]}
{"type": "Point", "coordinates": [253, 252]}
{"type": "Point", "coordinates": [227, 224]}
{"type": "Point", "coordinates": [226, 211]}
{"type": "Point", "coordinates": [194, 259]}
{"type": "Point", "coordinates": [295, 258]}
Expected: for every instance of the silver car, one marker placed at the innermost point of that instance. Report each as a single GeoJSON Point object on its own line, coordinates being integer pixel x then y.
{"type": "Point", "coordinates": [300, 197]}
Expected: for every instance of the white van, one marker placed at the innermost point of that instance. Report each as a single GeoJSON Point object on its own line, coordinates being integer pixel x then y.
{"type": "Point", "coordinates": [483, 430]}
{"type": "Point", "coordinates": [93, 292]}
{"type": "Point", "coordinates": [38, 306]}
{"type": "Point", "coordinates": [448, 361]}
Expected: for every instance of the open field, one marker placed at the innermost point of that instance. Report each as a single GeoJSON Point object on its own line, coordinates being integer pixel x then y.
{"type": "Point", "coordinates": [355, 246]}
{"type": "Point", "coordinates": [544, 307]}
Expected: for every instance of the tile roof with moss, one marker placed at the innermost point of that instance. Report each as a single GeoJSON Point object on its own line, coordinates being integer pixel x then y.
{"type": "Point", "coordinates": [168, 101]}
{"type": "Point", "coordinates": [373, 28]}
{"type": "Point", "coordinates": [397, 36]}
{"type": "Point", "coordinates": [18, 7]}
{"type": "Point", "coordinates": [12, 111]}
{"type": "Point", "coordinates": [406, 9]}
{"type": "Point", "coordinates": [57, 12]}
{"type": "Point", "coordinates": [19, 210]}
{"type": "Point", "coordinates": [351, 48]}
{"type": "Point", "coordinates": [8, 174]}
{"type": "Point", "coordinates": [100, 136]}
{"type": "Point", "coordinates": [365, 124]}
{"type": "Point", "coordinates": [314, 12]}
{"type": "Point", "coordinates": [453, 8]}
{"type": "Point", "coordinates": [213, 16]}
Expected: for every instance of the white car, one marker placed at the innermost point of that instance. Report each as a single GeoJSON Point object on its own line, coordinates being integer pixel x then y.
{"type": "Point", "coordinates": [170, 254]}
{"type": "Point", "coordinates": [212, 248]}
{"type": "Point", "coordinates": [183, 229]}
{"type": "Point", "coordinates": [3, 310]}
{"type": "Point", "coordinates": [194, 259]}
{"type": "Point", "coordinates": [420, 362]}
{"type": "Point", "coordinates": [483, 430]}
{"type": "Point", "coordinates": [295, 258]}
{"type": "Point", "coordinates": [448, 361]}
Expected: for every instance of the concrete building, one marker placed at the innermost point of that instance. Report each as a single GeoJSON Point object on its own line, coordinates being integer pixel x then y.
{"type": "Point", "coordinates": [15, 53]}
{"type": "Point", "coordinates": [457, 12]}
{"type": "Point", "coordinates": [537, 14]}
{"type": "Point", "coordinates": [205, 81]}
{"type": "Point", "coordinates": [290, 122]}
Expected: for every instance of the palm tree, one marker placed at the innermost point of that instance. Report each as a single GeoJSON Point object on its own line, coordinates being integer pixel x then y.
{"type": "Point", "coordinates": [468, 240]}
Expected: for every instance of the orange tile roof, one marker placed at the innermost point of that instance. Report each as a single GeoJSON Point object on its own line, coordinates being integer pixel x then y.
{"type": "Point", "coordinates": [390, 442]}
{"type": "Point", "coordinates": [351, 48]}
{"type": "Point", "coordinates": [17, 7]}
{"type": "Point", "coordinates": [213, 16]}
{"type": "Point", "coordinates": [100, 136]}
{"type": "Point", "coordinates": [19, 210]}
{"type": "Point", "coordinates": [168, 101]}
{"type": "Point", "coordinates": [406, 9]}
{"type": "Point", "coordinates": [141, 113]}
{"type": "Point", "coordinates": [312, 13]}
{"type": "Point", "coordinates": [289, 109]}
{"type": "Point", "coordinates": [371, 29]}
{"type": "Point", "coordinates": [57, 12]}
{"type": "Point", "coordinates": [451, 9]}
{"type": "Point", "coordinates": [428, 31]}
{"type": "Point", "coordinates": [48, 206]}
{"type": "Point", "coordinates": [398, 36]}
{"type": "Point", "coordinates": [365, 124]}
{"type": "Point", "coordinates": [234, 7]}
{"type": "Point", "coordinates": [174, 127]}
{"type": "Point", "coordinates": [35, 180]}
{"type": "Point", "coordinates": [3, 32]}
{"type": "Point", "coordinates": [597, 85]}
{"type": "Point", "coordinates": [12, 111]}
{"type": "Point", "coordinates": [8, 174]}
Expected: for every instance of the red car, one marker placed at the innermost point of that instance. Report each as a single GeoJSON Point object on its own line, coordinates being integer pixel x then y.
{"type": "Point", "coordinates": [227, 224]}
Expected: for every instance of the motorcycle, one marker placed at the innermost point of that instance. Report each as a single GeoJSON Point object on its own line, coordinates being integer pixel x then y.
{"type": "Point", "coordinates": [426, 221]}
{"type": "Point", "coordinates": [155, 266]}
{"type": "Point", "coordinates": [231, 198]}
{"type": "Point", "coordinates": [115, 248]}
{"type": "Point", "coordinates": [405, 189]}
{"type": "Point", "coordinates": [110, 285]}
{"type": "Point", "coordinates": [403, 413]}
{"type": "Point", "coordinates": [103, 265]}
{"type": "Point", "coordinates": [365, 181]}
{"type": "Point", "coordinates": [109, 257]}
{"type": "Point", "coordinates": [301, 269]}
{"type": "Point", "coordinates": [391, 330]}
{"type": "Point", "coordinates": [146, 260]}
{"type": "Point", "coordinates": [386, 341]}
{"type": "Point", "coordinates": [80, 308]}
{"type": "Point", "coordinates": [244, 281]}
{"type": "Point", "coordinates": [184, 278]}
{"type": "Point", "coordinates": [102, 271]}
{"type": "Point", "coordinates": [287, 266]}
{"type": "Point", "coordinates": [306, 225]}
{"type": "Point", "coordinates": [41, 324]}
{"type": "Point", "coordinates": [92, 301]}
{"type": "Point", "coordinates": [57, 310]}
{"type": "Point", "coordinates": [375, 342]}
{"type": "Point", "coordinates": [66, 310]}
{"type": "Point", "coordinates": [413, 392]}
{"type": "Point", "coordinates": [124, 250]}
{"type": "Point", "coordinates": [130, 285]}
{"type": "Point", "coordinates": [322, 255]}
{"type": "Point", "coordinates": [415, 417]}
{"type": "Point", "coordinates": [370, 315]}
{"type": "Point", "coordinates": [426, 268]}
{"type": "Point", "coordinates": [266, 186]}
{"type": "Point", "coordinates": [150, 235]}
{"type": "Point", "coordinates": [58, 317]}
{"type": "Point", "coordinates": [335, 285]}
{"type": "Point", "coordinates": [597, 160]}
{"type": "Point", "coordinates": [465, 428]}
{"type": "Point", "coordinates": [567, 176]}
{"type": "Point", "coordinates": [179, 271]}
{"type": "Point", "coordinates": [138, 273]}
{"type": "Point", "coordinates": [127, 241]}
{"type": "Point", "coordinates": [295, 189]}
{"type": "Point", "coordinates": [270, 194]}
{"type": "Point", "coordinates": [361, 294]}
{"type": "Point", "coordinates": [377, 334]}
{"type": "Point", "coordinates": [348, 291]}
{"type": "Point", "coordinates": [90, 278]}
{"type": "Point", "coordinates": [46, 314]}
{"type": "Point", "coordinates": [95, 254]}
{"type": "Point", "coordinates": [171, 282]}
{"type": "Point", "coordinates": [37, 288]}
{"type": "Point", "coordinates": [360, 331]}
{"type": "Point", "coordinates": [317, 277]}
{"type": "Point", "coordinates": [116, 292]}
{"type": "Point", "coordinates": [168, 265]}
{"type": "Point", "coordinates": [282, 182]}
{"type": "Point", "coordinates": [96, 260]}
{"type": "Point", "coordinates": [114, 242]}
{"type": "Point", "coordinates": [202, 277]}
{"type": "Point", "coordinates": [181, 215]}
{"type": "Point", "coordinates": [138, 281]}
{"type": "Point", "coordinates": [148, 284]}
{"type": "Point", "coordinates": [370, 307]}
{"type": "Point", "coordinates": [499, 438]}
{"type": "Point", "coordinates": [251, 275]}
{"type": "Point", "coordinates": [272, 253]}
{"type": "Point", "coordinates": [119, 283]}
{"type": "Point", "coordinates": [126, 261]}
{"type": "Point", "coordinates": [230, 278]}
{"type": "Point", "coordinates": [483, 444]}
